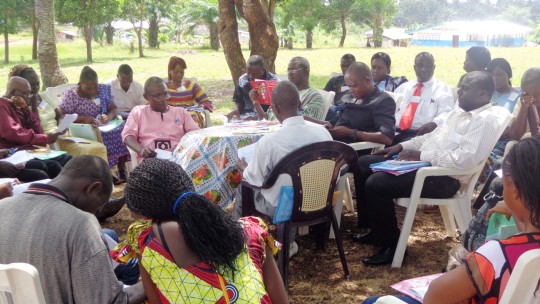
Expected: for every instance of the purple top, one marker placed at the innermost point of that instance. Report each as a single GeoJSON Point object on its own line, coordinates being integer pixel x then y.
{"type": "Point", "coordinates": [71, 102]}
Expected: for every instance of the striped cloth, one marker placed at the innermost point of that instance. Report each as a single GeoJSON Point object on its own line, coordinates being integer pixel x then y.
{"type": "Point", "coordinates": [188, 95]}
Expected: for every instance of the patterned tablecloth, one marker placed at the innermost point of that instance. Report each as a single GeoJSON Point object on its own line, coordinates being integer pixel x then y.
{"type": "Point", "coordinates": [210, 155]}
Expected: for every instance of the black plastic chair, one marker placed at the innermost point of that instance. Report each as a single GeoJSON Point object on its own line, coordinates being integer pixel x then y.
{"type": "Point", "coordinates": [314, 170]}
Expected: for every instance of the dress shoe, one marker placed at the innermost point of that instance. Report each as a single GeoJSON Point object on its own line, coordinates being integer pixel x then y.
{"type": "Point", "coordinates": [110, 209]}
{"type": "Point", "coordinates": [384, 256]}
{"type": "Point", "coordinates": [362, 238]}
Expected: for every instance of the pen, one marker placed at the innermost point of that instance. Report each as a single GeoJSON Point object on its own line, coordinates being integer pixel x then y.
{"type": "Point", "coordinates": [13, 150]}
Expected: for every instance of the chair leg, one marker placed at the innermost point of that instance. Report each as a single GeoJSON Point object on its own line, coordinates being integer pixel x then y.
{"type": "Point", "coordinates": [448, 214]}
{"type": "Point", "coordinates": [337, 209]}
{"type": "Point", "coordinates": [348, 194]}
{"type": "Point", "coordinates": [339, 244]}
{"type": "Point", "coordinates": [404, 235]}
{"type": "Point", "coordinates": [283, 231]}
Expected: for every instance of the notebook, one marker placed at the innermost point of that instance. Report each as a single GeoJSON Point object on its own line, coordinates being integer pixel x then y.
{"type": "Point", "coordinates": [82, 131]}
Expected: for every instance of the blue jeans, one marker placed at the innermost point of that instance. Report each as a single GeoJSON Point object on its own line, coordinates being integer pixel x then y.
{"type": "Point", "coordinates": [405, 299]}
{"type": "Point", "coordinates": [126, 273]}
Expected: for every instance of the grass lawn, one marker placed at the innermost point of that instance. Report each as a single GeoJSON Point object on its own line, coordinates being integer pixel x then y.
{"type": "Point", "coordinates": [211, 70]}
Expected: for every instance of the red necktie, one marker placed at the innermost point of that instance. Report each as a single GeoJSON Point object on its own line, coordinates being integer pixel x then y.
{"type": "Point", "coordinates": [408, 114]}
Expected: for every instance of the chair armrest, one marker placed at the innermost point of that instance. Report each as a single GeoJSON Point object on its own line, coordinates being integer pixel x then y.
{"type": "Point", "coordinates": [248, 185]}
{"type": "Point", "coordinates": [357, 146]}
{"type": "Point", "coordinates": [207, 121]}
{"type": "Point", "coordinates": [441, 171]}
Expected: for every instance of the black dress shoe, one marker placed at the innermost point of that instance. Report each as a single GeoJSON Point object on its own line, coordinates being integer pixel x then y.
{"type": "Point", "coordinates": [110, 209]}
{"type": "Point", "coordinates": [384, 256]}
{"type": "Point", "coordinates": [362, 238]}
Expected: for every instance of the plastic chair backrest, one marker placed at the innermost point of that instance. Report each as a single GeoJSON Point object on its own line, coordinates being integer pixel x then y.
{"type": "Point", "coordinates": [314, 170]}
{"type": "Point", "coordinates": [328, 98]}
{"type": "Point", "coordinates": [52, 94]}
{"type": "Point", "coordinates": [524, 279]}
{"type": "Point", "coordinates": [397, 98]}
{"type": "Point", "coordinates": [454, 93]}
{"type": "Point", "coordinates": [21, 281]}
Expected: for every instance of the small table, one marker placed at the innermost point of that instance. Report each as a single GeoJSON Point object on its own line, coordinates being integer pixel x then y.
{"type": "Point", "coordinates": [210, 155]}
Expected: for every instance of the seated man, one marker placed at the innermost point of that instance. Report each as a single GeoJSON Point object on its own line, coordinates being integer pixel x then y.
{"type": "Point", "coordinates": [525, 118]}
{"type": "Point", "coordinates": [126, 93]}
{"type": "Point", "coordinates": [61, 237]}
{"type": "Point", "coordinates": [424, 101]}
{"type": "Point", "coordinates": [311, 101]}
{"type": "Point", "coordinates": [271, 148]}
{"type": "Point", "coordinates": [462, 141]}
{"type": "Point", "coordinates": [20, 128]}
{"type": "Point", "coordinates": [244, 108]}
{"type": "Point", "coordinates": [477, 58]}
{"type": "Point", "coordinates": [337, 85]}
{"type": "Point", "coordinates": [156, 125]}
{"type": "Point", "coordinates": [370, 117]}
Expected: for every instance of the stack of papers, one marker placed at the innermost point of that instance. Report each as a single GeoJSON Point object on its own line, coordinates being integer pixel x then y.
{"type": "Point", "coordinates": [19, 157]}
{"type": "Point", "coordinates": [398, 167]}
{"type": "Point", "coordinates": [416, 288]}
{"type": "Point", "coordinates": [65, 122]}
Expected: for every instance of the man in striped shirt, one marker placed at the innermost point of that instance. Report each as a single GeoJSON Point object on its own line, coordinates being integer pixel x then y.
{"type": "Point", "coordinates": [462, 141]}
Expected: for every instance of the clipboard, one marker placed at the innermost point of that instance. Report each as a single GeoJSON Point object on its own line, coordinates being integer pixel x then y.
{"type": "Point", "coordinates": [85, 131]}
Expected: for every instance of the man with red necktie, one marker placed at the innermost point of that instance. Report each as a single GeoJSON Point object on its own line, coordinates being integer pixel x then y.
{"type": "Point", "coordinates": [425, 101]}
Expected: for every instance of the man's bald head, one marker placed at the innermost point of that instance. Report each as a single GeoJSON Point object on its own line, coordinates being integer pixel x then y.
{"type": "Point", "coordinates": [285, 100]}
{"type": "Point", "coordinates": [359, 70]}
{"type": "Point", "coordinates": [531, 77]}
{"type": "Point", "coordinates": [18, 86]}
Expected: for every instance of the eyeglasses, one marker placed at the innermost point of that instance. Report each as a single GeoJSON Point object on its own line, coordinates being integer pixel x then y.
{"type": "Point", "coordinates": [294, 70]}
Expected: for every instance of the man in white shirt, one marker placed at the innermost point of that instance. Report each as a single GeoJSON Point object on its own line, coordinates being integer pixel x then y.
{"type": "Point", "coordinates": [425, 100]}
{"type": "Point", "coordinates": [126, 93]}
{"type": "Point", "coordinates": [271, 148]}
{"type": "Point", "coordinates": [462, 141]}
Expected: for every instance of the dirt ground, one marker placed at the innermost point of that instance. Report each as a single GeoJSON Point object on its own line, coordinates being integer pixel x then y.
{"type": "Point", "coordinates": [316, 276]}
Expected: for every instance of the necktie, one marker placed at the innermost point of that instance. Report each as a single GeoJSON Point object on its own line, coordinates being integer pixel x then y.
{"type": "Point", "coordinates": [408, 115]}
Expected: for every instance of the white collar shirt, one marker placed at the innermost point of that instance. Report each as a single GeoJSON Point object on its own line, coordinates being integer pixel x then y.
{"type": "Point", "coordinates": [436, 98]}
{"type": "Point", "coordinates": [463, 140]}
{"type": "Point", "coordinates": [126, 101]}
{"type": "Point", "coordinates": [271, 148]}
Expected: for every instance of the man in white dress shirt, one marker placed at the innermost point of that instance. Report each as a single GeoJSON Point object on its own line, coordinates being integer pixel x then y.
{"type": "Point", "coordinates": [271, 148]}
{"type": "Point", "coordinates": [126, 93]}
{"type": "Point", "coordinates": [462, 141]}
{"type": "Point", "coordinates": [425, 100]}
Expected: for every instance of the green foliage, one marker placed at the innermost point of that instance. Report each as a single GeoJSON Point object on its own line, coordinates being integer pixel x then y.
{"type": "Point", "coordinates": [414, 14]}
{"type": "Point", "coordinates": [87, 12]}
{"type": "Point", "coordinates": [304, 14]}
{"type": "Point", "coordinates": [377, 14]}
{"type": "Point", "coordinates": [12, 13]}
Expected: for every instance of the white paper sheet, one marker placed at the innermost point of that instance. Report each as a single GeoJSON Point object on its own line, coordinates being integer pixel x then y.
{"type": "Point", "coordinates": [66, 121]}
{"type": "Point", "coordinates": [19, 157]}
{"type": "Point", "coordinates": [247, 152]}
{"type": "Point", "coordinates": [77, 140]}
{"type": "Point", "coordinates": [18, 189]}
{"type": "Point", "coordinates": [163, 154]}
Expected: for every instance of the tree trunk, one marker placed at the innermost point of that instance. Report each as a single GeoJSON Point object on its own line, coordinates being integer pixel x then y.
{"type": "Point", "coordinates": [6, 44]}
{"type": "Point", "coordinates": [88, 35]}
{"type": "Point", "coordinates": [259, 15]}
{"type": "Point", "coordinates": [153, 31]}
{"type": "Point", "coordinates": [139, 38]}
{"type": "Point", "coordinates": [214, 35]}
{"type": "Point", "coordinates": [51, 73]}
{"type": "Point", "coordinates": [309, 39]}
{"type": "Point", "coordinates": [289, 43]}
{"type": "Point", "coordinates": [228, 34]}
{"type": "Point", "coordinates": [35, 31]}
{"type": "Point", "coordinates": [109, 33]}
{"type": "Point", "coordinates": [378, 31]}
{"type": "Point", "coordinates": [343, 30]}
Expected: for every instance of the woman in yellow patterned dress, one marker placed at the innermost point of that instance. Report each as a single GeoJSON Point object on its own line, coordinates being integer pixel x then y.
{"type": "Point", "coordinates": [193, 252]}
{"type": "Point", "coordinates": [186, 93]}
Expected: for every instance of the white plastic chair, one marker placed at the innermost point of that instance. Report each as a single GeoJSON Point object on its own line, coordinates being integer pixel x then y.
{"type": "Point", "coordinates": [458, 206]}
{"type": "Point", "coordinates": [454, 94]}
{"type": "Point", "coordinates": [344, 186]}
{"type": "Point", "coordinates": [52, 94]}
{"type": "Point", "coordinates": [328, 98]}
{"type": "Point", "coordinates": [397, 98]}
{"type": "Point", "coordinates": [524, 279]}
{"type": "Point", "coordinates": [21, 280]}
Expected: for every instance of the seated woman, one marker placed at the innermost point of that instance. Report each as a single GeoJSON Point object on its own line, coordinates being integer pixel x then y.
{"type": "Point", "coordinates": [190, 241]}
{"type": "Point", "coordinates": [483, 277]}
{"type": "Point", "coordinates": [50, 115]}
{"type": "Point", "coordinates": [186, 93]}
{"type": "Point", "coordinates": [380, 69]}
{"type": "Point", "coordinates": [94, 104]}
{"type": "Point", "coordinates": [504, 96]}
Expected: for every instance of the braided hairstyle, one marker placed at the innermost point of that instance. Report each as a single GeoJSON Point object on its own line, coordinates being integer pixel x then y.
{"type": "Point", "coordinates": [153, 190]}
{"type": "Point", "coordinates": [522, 164]}
{"type": "Point", "coordinates": [21, 70]}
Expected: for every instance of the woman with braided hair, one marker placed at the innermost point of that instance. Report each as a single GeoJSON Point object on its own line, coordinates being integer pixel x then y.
{"type": "Point", "coordinates": [192, 250]}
